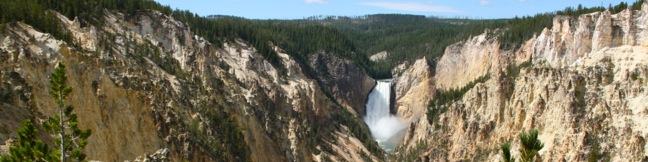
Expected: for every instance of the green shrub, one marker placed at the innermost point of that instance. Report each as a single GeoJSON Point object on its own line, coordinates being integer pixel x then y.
{"type": "Point", "coordinates": [529, 145]}
{"type": "Point", "coordinates": [506, 152]}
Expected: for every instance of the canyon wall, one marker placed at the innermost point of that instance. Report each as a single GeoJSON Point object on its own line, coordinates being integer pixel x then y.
{"type": "Point", "coordinates": [582, 84]}
{"type": "Point", "coordinates": [146, 85]}
{"type": "Point", "coordinates": [347, 82]}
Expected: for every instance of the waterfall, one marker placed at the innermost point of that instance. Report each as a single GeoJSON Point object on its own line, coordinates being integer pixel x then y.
{"type": "Point", "coordinates": [384, 126]}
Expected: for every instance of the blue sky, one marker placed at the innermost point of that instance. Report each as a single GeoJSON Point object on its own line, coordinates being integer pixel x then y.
{"type": "Point", "coordinates": [294, 9]}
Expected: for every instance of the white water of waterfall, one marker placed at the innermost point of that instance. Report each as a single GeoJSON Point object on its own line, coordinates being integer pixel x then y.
{"type": "Point", "coordinates": [384, 126]}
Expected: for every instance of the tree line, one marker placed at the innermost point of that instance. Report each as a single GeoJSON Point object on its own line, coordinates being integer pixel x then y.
{"type": "Point", "coordinates": [405, 37]}
{"type": "Point", "coordinates": [520, 29]}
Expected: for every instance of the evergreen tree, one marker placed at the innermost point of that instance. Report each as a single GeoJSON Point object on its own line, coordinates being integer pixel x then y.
{"type": "Point", "coordinates": [64, 126]}
{"type": "Point", "coordinates": [506, 152]}
{"type": "Point", "coordinates": [28, 147]}
{"type": "Point", "coordinates": [529, 145]}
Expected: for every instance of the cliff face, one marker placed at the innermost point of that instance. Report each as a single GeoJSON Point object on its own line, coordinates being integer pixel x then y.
{"type": "Point", "coordinates": [347, 82]}
{"type": "Point", "coordinates": [465, 61]}
{"type": "Point", "coordinates": [412, 86]}
{"type": "Point", "coordinates": [582, 84]}
{"type": "Point", "coordinates": [145, 84]}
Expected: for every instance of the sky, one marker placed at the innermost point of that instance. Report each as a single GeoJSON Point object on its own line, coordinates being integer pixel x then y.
{"type": "Point", "coordinates": [296, 9]}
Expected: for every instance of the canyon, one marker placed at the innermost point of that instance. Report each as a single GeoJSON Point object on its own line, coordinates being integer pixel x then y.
{"type": "Point", "coordinates": [146, 84]}
{"type": "Point", "coordinates": [581, 83]}
{"type": "Point", "coordinates": [150, 88]}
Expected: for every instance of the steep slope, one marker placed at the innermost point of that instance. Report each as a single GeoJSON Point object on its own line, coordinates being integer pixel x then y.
{"type": "Point", "coordinates": [144, 83]}
{"type": "Point", "coordinates": [413, 89]}
{"type": "Point", "coordinates": [582, 83]}
{"type": "Point", "coordinates": [347, 83]}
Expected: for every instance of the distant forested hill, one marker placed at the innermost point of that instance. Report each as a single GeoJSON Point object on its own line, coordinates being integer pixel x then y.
{"type": "Point", "coordinates": [404, 37]}
{"type": "Point", "coordinates": [409, 37]}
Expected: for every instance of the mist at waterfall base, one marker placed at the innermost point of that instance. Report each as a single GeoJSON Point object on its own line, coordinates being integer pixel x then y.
{"type": "Point", "coordinates": [384, 126]}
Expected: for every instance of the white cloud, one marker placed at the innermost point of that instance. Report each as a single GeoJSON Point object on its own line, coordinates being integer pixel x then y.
{"type": "Point", "coordinates": [484, 2]}
{"type": "Point", "coordinates": [315, 1]}
{"type": "Point", "coordinates": [412, 6]}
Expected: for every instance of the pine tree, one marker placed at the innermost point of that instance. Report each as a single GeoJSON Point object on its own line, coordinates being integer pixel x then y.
{"type": "Point", "coordinates": [64, 126]}
{"type": "Point", "coordinates": [506, 152]}
{"type": "Point", "coordinates": [28, 147]}
{"type": "Point", "coordinates": [529, 145]}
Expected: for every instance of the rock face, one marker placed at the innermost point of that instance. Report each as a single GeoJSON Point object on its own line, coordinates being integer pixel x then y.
{"type": "Point", "coordinates": [466, 61]}
{"type": "Point", "coordinates": [144, 82]}
{"type": "Point", "coordinates": [583, 84]}
{"type": "Point", "coordinates": [158, 156]}
{"type": "Point", "coordinates": [379, 56]}
{"type": "Point", "coordinates": [347, 82]}
{"type": "Point", "coordinates": [413, 89]}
